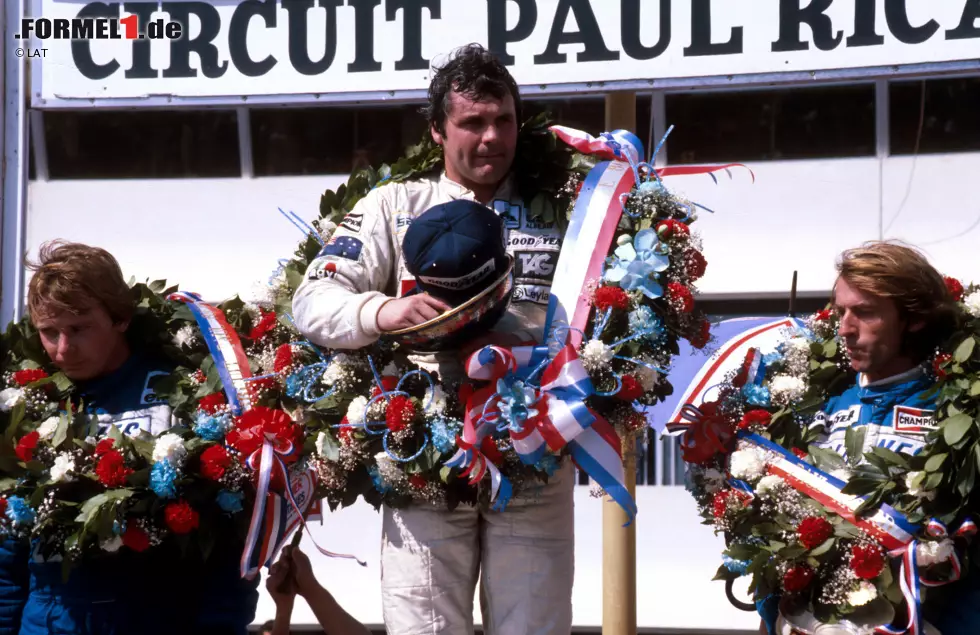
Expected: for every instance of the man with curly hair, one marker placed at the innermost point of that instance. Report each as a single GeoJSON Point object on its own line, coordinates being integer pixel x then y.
{"type": "Point", "coordinates": [894, 311]}
{"type": "Point", "coordinates": [82, 308]}
{"type": "Point", "coordinates": [358, 289]}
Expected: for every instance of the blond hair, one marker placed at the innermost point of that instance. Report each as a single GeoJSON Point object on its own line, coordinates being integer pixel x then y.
{"type": "Point", "coordinates": [901, 273]}
{"type": "Point", "coordinates": [72, 277]}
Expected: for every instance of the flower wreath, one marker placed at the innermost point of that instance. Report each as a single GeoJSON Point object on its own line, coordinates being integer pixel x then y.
{"type": "Point", "coordinates": [838, 537]}
{"type": "Point", "coordinates": [395, 434]}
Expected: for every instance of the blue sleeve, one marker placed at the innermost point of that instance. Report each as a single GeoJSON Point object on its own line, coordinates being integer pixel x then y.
{"type": "Point", "coordinates": [768, 609]}
{"type": "Point", "coordinates": [14, 584]}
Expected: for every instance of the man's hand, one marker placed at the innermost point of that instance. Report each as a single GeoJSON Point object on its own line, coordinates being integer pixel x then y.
{"type": "Point", "coordinates": [409, 311]}
{"type": "Point", "coordinates": [302, 571]}
{"type": "Point", "coordinates": [281, 584]}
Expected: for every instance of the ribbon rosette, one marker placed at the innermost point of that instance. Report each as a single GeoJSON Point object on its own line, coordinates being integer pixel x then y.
{"type": "Point", "coordinates": [537, 416]}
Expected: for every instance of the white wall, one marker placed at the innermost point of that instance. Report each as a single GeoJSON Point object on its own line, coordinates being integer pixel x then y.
{"type": "Point", "coordinates": [219, 237]}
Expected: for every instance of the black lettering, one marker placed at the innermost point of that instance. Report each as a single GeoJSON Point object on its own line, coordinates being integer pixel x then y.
{"type": "Point", "coordinates": [82, 30]}
{"type": "Point", "coordinates": [81, 50]}
{"type": "Point", "coordinates": [864, 25]}
{"type": "Point", "coordinates": [180, 50]}
{"type": "Point", "coordinates": [141, 68]}
{"type": "Point", "coordinates": [499, 36]}
{"type": "Point", "coordinates": [364, 61]}
{"type": "Point", "coordinates": [630, 25]}
{"type": "Point", "coordinates": [173, 31]}
{"type": "Point", "coordinates": [114, 31]}
{"type": "Point", "coordinates": [791, 20]}
{"type": "Point", "coordinates": [238, 32]}
{"type": "Point", "coordinates": [26, 26]}
{"type": "Point", "coordinates": [701, 43]}
{"type": "Point", "coordinates": [897, 17]}
{"type": "Point", "coordinates": [44, 28]}
{"type": "Point", "coordinates": [967, 27]}
{"type": "Point", "coordinates": [59, 28]}
{"type": "Point", "coordinates": [588, 34]}
{"type": "Point", "coordinates": [155, 29]}
{"type": "Point", "coordinates": [101, 29]}
{"type": "Point", "coordinates": [299, 55]}
{"type": "Point", "coordinates": [412, 59]}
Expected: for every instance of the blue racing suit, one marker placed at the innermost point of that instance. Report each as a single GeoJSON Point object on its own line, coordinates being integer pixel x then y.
{"type": "Point", "coordinates": [897, 412]}
{"type": "Point", "coordinates": [161, 590]}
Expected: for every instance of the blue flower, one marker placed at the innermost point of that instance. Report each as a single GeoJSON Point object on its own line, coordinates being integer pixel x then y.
{"type": "Point", "coordinates": [211, 427]}
{"type": "Point", "coordinates": [644, 321]}
{"type": "Point", "coordinates": [379, 483]}
{"type": "Point", "coordinates": [295, 384]}
{"type": "Point", "coordinates": [547, 464]}
{"type": "Point", "coordinates": [162, 477]}
{"type": "Point", "coordinates": [650, 187]}
{"type": "Point", "coordinates": [735, 566]}
{"type": "Point", "coordinates": [756, 395]}
{"type": "Point", "coordinates": [443, 432]}
{"type": "Point", "coordinates": [229, 501]}
{"type": "Point", "coordinates": [636, 263]}
{"type": "Point", "coordinates": [515, 404]}
{"type": "Point", "coordinates": [771, 358]}
{"type": "Point", "coordinates": [19, 512]}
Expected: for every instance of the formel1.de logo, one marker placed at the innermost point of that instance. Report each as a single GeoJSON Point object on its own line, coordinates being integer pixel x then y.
{"type": "Point", "coordinates": [98, 28]}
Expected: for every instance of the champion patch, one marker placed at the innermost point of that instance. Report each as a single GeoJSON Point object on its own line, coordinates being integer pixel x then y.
{"type": "Point", "coordinates": [343, 247]}
{"type": "Point", "coordinates": [914, 420]}
{"type": "Point", "coordinates": [353, 222]}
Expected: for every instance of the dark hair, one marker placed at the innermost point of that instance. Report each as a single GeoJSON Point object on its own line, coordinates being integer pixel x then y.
{"type": "Point", "coordinates": [473, 72]}
{"type": "Point", "coordinates": [902, 274]}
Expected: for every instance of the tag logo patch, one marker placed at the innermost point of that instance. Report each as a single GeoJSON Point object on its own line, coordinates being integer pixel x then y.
{"type": "Point", "coordinates": [535, 266]}
{"type": "Point", "coordinates": [914, 420]}
{"type": "Point", "coordinates": [343, 247]}
{"type": "Point", "coordinates": [353, 222]}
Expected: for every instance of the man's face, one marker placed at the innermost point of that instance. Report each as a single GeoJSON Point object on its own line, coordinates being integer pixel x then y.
{"type": "Point", "coordinates": [872, 331]}
{"type": "Point", "coordinates": [82, 346]}
{"type": "Point", "coordinates": [480, 139]}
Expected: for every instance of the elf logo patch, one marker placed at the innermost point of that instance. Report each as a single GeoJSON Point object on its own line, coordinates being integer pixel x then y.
{"type": "Point", "coordinates": [353, 222]}
{"type": "Point", "coordinates": [322, 269]}
{"type": "Point", "coordinates": [914, 420]}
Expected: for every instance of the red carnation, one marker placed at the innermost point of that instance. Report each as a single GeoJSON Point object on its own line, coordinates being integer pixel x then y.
{"type": "Point", "coordinates": [214, 461]}
{"type": "Point", "coordinates": [813, 531]}
{"type": "Point", "coordinates": [700, 338]}
{"type": "Point", "coordinates": [672, 228]}
{"type": "Point", "coordinates": [212, 403]}
{"type": "Point", "coordinates": [257, 386]}
{"type": "Point", "coordinates": [199, 376]}
{"type": "Point", "coordinates": [756, 417]}
{"type": "Point", "coordinates": [284, 358]}
{"type": "Point", "coordinates": [799, 453]}
{"type": "Point", "coordinates": [29, 376]}
{"type": "Point", "coordinates": [797, 578]}
{"type": "Point", "coordinates": [867, 561]}
{"type": "Point", "coordinates": [103, 446]}
{"type": "Point", "coordinates": [389, 382]}
{"type": "Point", "coordinates": [135, 538]}
{"type": "Point", "coordinates": [3, 506]}
{"type": "Point", "coordinates": [631, 389]}
{"type": "Point", "coordinates": [680, 295]}
{"type": "Point", "coordinates": [266, 323]}
{"type": "Point", "coordinates": [938, 363]}
{"type": "Point", "coordinates": [955, 288]}
{"type": "Point", "coordinates": [400, 413]}
{"type": "Point", "coordinates": [726, 500]}
{"type": "Point", "coordinates": [345, 433]}
{"type": "Point", "coordinates": [111, 469]}
{"type": "Point", "coordinates": [417, 481]}
{"type": "Point", "coordinates": [25, 447]}
{"type": "Point", "coordinates": [695, 264]}
{"type": "Point", "coordinates": [611, 298]}
{"type": "Point", "coordinates": [822, 315]}
{"type": "Point", "coordinates": [181, 517]}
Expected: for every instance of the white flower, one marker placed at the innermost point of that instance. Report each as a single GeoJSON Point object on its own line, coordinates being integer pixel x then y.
{"type": "Point", "coordinates": [47, 429]}
{"type": "Point", "coordinates": [112, 544]}
{"type": "Point", "coordinates": [864, 593]}
{"type": "Point", "coordinates": [435, 400]}
{"type": "Point", "coordinates": [595, 355]}
{"type": "Point", "coordinates": [714, 480]}
{"type": "Point", "coordinates": [647, 377]}
{"type": "Point", "coordinates": [768, 483]}
{"type": "Point", "coordinates": [355, 411]}
{"type": "Point", "coordinates": [972, 303]}
{"type": "Point", "coordinates": [748, 464]}
{"type": "Point", "coordinates": [390, 370]}
{"type": "Point", "coordinates": [169, 447]}
{"type": "Point", "coordinates": [933, 552]}
{"type": "Point", "coordinates": [63, 464]}
{"type": "Point", "coordinates": [786, 389]}
{"type": "Point", "coordinates": [914, 482]}
{"type": "Point", "coordinates": [321, 444]}
{"type": "Point", "coordinates": [798, 345]}
{"type": "Point", "coordinates": [335, 369]}
{"type": "Point", "coordinates": [9, 397]}
{"type": "Point", "coordinates": [185, 336]}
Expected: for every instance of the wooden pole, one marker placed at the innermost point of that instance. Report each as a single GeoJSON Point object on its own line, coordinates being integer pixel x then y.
{"type": "Point", "coordinates": [618, 542]}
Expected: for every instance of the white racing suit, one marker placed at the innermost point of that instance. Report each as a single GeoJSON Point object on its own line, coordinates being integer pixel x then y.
{"type": "Point", "coordinates": [431, 557]}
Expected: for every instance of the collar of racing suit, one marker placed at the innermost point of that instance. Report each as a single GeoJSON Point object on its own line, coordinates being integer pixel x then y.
{"type": "Point", "coordinates": [887, 392]}
{"type": "Point", "coordinates": [456, 190]}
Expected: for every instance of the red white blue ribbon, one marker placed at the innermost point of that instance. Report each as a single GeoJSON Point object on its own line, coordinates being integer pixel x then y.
{"type": "Point", "coordinates": [558, 418]}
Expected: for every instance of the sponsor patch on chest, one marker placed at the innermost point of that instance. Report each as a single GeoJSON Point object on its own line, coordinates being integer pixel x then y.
{"type": "Point", "coordinates": [914, 420]}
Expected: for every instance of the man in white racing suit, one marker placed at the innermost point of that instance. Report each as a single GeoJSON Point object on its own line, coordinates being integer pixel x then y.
{"type": "Point", "coordinates": [357, 289]}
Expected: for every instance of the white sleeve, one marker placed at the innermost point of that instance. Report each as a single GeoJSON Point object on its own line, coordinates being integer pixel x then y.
{"type": "Point", "coordinates": [337, 304]}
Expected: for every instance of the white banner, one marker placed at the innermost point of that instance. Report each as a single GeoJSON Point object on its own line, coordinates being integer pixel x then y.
{"type": "Point", "coordinates": [225, 50]}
